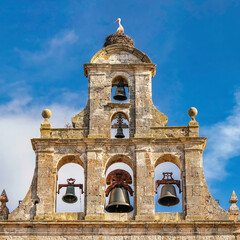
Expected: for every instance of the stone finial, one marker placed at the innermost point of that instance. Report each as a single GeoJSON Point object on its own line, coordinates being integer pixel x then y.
{"type": "Point", "coordinates": [46, 126]}
{"type": "Point", "coordinates": [233, 198]}
{"type": "Point", "coordinates": [3, 197]}
{"type": "Point", "coordinates": [193, 124]}
{"type": "Point", "coordinates": [46, 114]}
{"type": "Point", "coordinates": [3, 208]}
{"type": "Point", "coordinates": [192, 112]}
{"type": "Point", "coordinates": [233, 210]}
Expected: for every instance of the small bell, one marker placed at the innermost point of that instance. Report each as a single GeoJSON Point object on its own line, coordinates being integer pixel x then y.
{"type": "Point", "coordinates": [119, 200]}
{"type": "Point", "coordinates": [168, 196]}
{"type": "Point", "coordinates": [120, 94]}
{"type": "Point", "coordinates": [119, 133]}
{"type": "Point", "coordinates": [70, 196]}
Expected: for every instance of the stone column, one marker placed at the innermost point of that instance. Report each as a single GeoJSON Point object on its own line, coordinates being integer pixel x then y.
{"type": "Point", "coordinates": [95, 185]}
{"type": "Point", "coordinates": [144, 186]}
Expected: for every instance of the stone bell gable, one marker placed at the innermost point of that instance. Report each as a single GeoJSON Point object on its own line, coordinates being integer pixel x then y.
{"type": "Point", "coordinates": [105, 69]}
{"type": "Point", "coordinates": [142, 143]}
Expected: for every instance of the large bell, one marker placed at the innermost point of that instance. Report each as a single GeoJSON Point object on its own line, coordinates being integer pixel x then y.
{"type": "Point", "coordinates": [70, 196]}
{"type": "Point", "coordinates": [168, 196]}
{"type": "Point", "coordinates": [119, 133]}
{"type": "Point", "coordinates": [120, 93]}
{"type": "Point", "coordinates": [119, 200]}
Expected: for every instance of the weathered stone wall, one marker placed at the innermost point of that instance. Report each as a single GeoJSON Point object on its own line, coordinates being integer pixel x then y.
{"type": "Point", "coordinates": [142, 155]}
{"type": "Point", "coordinates": [119, 231]}
{"type": "Point", "coordinates": [118, 57]}
{"type": "Point", "coordinates": [150, 143]}
{"type": "Point", "coordinates": [137, 70]}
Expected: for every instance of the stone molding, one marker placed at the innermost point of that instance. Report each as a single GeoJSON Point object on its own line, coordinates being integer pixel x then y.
{"type": "Point", "coordinates": [119, 67]}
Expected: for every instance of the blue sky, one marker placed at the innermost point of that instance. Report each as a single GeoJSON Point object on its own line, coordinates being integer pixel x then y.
{"type": "Point", "coordinates": [195, 45]}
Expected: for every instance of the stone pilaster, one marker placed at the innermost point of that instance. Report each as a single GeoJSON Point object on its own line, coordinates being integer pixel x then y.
{"type": "Point", "coordinates": [95, 185]}
{"type": "Point", "coordinates": [193, 183]}
{"type": "Point", "coordinates": [99, 95]}
{"type": "Point", "coordinates": [144, 188]}
{"type": "Point", "coordinates": [46, 185]}
{"type": "Point", "coordinates": [143, 104]}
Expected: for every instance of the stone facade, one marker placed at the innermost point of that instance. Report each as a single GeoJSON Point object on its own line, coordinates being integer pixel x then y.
{"type": "Point", "coordinates": [90, 145]}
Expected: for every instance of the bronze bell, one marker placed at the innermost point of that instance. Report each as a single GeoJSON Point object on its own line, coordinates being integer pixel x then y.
{"type": "Point", "coordinates": [70, 196]}
{"type": "Point", "coordinates": [120, 93]}
{"type": "Point", "coordinates": [168, 196]}
{"type": "Point", "coordinates": [119, 201]}
{"type": "Point", "coordinates": [119, 133]}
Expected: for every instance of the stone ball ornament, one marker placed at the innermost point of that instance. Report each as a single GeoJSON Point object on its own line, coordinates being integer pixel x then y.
{"type": "Point", "coordinates": [192, 112]}
{"type": "Point", "coordinates": [46, 113]}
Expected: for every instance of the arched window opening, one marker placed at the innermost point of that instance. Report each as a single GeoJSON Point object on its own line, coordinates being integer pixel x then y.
{"type": "Point", "coordinates": [120, 91]}
{"type": "Point", "coordinates": [119, 189]}
{"type": "Point", "coordinates": [119, 126]}
{"type": "Point", "coordinates": [168, 187]}
{"type": "Point", "coordinates": [71, 198]}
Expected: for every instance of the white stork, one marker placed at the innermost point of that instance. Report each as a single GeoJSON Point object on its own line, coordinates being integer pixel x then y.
{"type": "Point", "coordinates": [120, 29]}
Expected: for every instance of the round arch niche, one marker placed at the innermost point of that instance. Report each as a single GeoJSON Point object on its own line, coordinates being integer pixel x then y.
{"type": "Point", "coordinates": [115, 120]}
{"type": "Point", "coordinates": [122, 80]}
{"type": "Point", "coordinates": [160, 168]}
{"type": "Point", "coordinates": [124, 163]}
{"type": "Point", "coordinates": [119, 158]}
{"type": "Point", "coordinates": [70, 167]}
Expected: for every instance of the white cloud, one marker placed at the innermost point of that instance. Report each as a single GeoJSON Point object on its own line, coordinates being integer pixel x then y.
{"type": "Point", "coordinates": [53, 48]}
{"type": "Point", "coordinates": [223, 143]}
{"type": "Point", "coordinates": [20, 122]}
{"type": "Point", "coordinates": [15, 106]}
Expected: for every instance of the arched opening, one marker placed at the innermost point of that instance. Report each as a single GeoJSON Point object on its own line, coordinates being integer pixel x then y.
{"type": "Point", "coordinates": [120, 90]}
{"type": "Point", "coordinates": [119, 125]}
{"type": "Point", "coordinates": [168, 184]}
{"type": "Point", "coordinates": [123, 165]}
{"type": "Point", "coordinates": [70, 199]}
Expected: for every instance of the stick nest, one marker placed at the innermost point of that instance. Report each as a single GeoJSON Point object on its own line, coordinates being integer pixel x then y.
{"type": "Point", "coordinates": [116, 38]}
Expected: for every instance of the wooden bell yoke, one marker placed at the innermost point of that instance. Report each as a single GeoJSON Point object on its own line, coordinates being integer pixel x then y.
{"type": "Point", "coordinates": [168, 179]}
{"type": "Point", "coordinates": [119, 177]}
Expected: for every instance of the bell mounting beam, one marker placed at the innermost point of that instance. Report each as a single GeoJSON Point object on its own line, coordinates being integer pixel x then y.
{"type": "Point", "coordinates": [119, 177]}
{"type": "Point", "coordinates": [116, 125]}
{"type": "Point", "coordinates": [168, 179]}
{"type": "Point", "coordinates": [117, 85]}
{"type": "Point", "coordinates": [119, 82]}
{"type": "Point", "coordinates": [71, 182]}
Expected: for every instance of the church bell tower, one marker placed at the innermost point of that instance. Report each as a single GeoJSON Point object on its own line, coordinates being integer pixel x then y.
{"type": "Point", "coordinates": [121, 125]}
